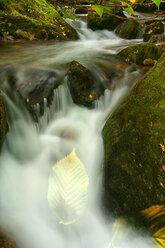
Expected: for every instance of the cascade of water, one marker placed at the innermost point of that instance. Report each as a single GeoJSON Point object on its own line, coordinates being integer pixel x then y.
{"type": "Point", "coordinates": [30, 152]}
{"type": "Point", "coordinates": [25, 214]}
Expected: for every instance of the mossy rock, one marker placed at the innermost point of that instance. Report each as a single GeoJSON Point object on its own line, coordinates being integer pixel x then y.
{"type": "Point", "coordinates": [138, 53]}
{"type": "Point", "coordinates": [82, 85]}
{"type": "Point", "coordinates": [26, 19]}
{"type": "Point", "coordinates": [108, 22]}
{"type": "Point", "coordinates": [42, 83]}
{"type": "Point", "coordinates": [3, 121]}
{"type": "Point", "coordinates": [134, 177]}
{"type": "Point", "coordinates": [153, 28]}
{"type": "Point", "coordinates": [129, 29]}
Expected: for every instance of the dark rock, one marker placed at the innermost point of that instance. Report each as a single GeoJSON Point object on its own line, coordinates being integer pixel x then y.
{"type": "Point", "coordinates": [153, 28]}
{"type": "Point", "coordinates": [3, 121]}
{"type": "Point", "coordinates": [106, 21]}
{"type": "Point", "coordinates": [138, 53]}
{"type": "Point", "coordinates": [134, 148]}
{"type": "Point", "coordinates": [82, 85]}
{"type": "Point", "coordinates": [145, 8]}
{"type": "Point", "coordinates": [129, 29]}
{"type": "Point", "coordinates": [84, 10]}
{"type": "Point", "coordinates": [5, 242]}
{"type": "Point", "coordinates": [32, 85]}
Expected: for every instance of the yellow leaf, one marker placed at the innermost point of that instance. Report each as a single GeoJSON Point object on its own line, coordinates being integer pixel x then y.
{"type": "Point", "coordinates": [163, 147]}
{"type": "Point", "coordinates": [68, 189]}
{"type": "Point", "coordinates": [133, 1]}
{"type": "Point", "coordinates": [92, 7]}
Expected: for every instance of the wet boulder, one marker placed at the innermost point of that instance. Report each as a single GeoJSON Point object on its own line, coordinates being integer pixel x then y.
{"type": "Point", "coordinates": [3, 121]}
{"type": "Point", "coordinates": [32, 85]}
{"type": "Point", "coordinates": [109, 22]}
{"type": "Point", "coordinates": [138, 53]}
{"type": "Point", "coordinates": [129, 29]}
{"type": "Point", "coordinates": [134, 144]}
{"type": "Point", "coordinates": [82, 85]}
{"type": "Point", "coordinates": [153, 28]}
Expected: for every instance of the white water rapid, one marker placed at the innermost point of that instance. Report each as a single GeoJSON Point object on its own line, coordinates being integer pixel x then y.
{"type": "Point", "coordinates": [31, 150]}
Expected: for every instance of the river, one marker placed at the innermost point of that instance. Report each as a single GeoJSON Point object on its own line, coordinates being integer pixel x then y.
{"type": "Point", "coordinates": [31, 150]}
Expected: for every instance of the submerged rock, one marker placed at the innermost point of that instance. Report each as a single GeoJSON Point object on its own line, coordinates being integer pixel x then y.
{"type": "Point", "coordinates": [134, 142]}
{"type": "Point", "coordinates": [82, 85]}
{"type": "Point", "coordinates": [129, 29]}
{"type": "Point", "coordinates": [109, 22]}
{"type": "Point", "coordinates": [138, 53]}
{"type": "Point", "coordinates": [3, 121]}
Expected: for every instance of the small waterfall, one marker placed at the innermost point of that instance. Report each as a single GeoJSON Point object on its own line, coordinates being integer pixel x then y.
{"type": "Point", "coordinates": [25, 214]}
{"type": "Point", "coordinates": [31, 150]}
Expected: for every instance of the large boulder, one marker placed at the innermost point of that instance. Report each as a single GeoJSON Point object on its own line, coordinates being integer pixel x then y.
{"type": "Point", "coordinates": [129, 29]}
{"type": "Point", "coordinates": [138, 53]}
{"type": "Point", "coordinates": [134, 142]}
{"type": "Point", "coordinates": [95, 22]}
{"type": "Point", "coordinates": [3, 121]}
{"type": "Point", "coordinates": [82, 85]}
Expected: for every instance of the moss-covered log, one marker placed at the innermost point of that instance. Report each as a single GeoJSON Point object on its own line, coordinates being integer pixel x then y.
{"type": "Point", "coordinates": [134, 140]}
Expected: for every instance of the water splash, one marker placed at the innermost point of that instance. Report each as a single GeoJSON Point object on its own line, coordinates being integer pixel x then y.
{"type": "Point", "coordinates": [24, 211]}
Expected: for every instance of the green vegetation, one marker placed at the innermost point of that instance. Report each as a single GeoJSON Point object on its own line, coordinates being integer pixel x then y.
{"type": "Point", "coordinates": [28, 19]}
{"type": "Point", "coordinates": [129, 29]}
{"type": "Point", "coordinates": [134, 139]}
{"type": "Point", "coordinates": [138, 53]}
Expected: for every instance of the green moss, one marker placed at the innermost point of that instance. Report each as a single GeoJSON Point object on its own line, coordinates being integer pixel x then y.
{"type": "Point", "coordinates": [129, 29]}
{"type": "Point", "coordinates": [32, 17]}
{"type": "Point", "coordinates": [3, 122]}
{"type": "Point", "coordinates": [138, 53]}
{"type": "Point", "coordinates": [81, 84]}
{"type": "Point", "coordinates": [134, 160]}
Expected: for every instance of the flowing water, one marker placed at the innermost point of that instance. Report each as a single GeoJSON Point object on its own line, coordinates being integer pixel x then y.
{"type": "Point", "coordinates": [31, 149]}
